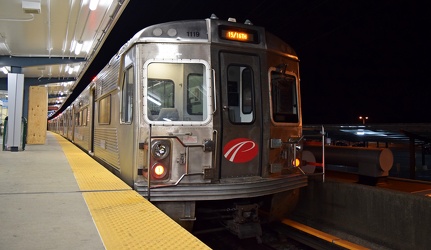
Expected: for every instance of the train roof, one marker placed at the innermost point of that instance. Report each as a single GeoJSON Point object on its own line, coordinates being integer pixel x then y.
{"type": "Point", "coordinates": [196, 31]}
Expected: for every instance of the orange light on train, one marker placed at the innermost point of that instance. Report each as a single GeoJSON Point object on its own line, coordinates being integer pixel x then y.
{"type": "Point", "coordinates": [158, 171]}
{"type": "Point", "coordinates": [296, 162]}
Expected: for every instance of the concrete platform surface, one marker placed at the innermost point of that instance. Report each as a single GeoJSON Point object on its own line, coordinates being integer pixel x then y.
{"type": "Point", "coordinates": [41, 206]}
{"type": "Point", "coordinates": [55, 196]}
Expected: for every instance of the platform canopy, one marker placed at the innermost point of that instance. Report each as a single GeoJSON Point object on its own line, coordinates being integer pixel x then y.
{"type": "Point", "coordinates": [53, 42]}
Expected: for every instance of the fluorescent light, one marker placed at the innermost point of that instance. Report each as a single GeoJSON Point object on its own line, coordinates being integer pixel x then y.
{"type": "Point", "coordinates": [72, 45]}
{"type": "Point", "coordinates": [93, 4]}
{"type": "Point", "coordinates": [78, 48]}
{"type": "Point", "coordinates": [87, 46]}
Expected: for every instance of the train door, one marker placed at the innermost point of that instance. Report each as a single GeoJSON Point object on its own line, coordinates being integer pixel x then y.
{"type": "Point", "coordinates": [241, 115]}
{"type": "Point", "coordinates": [126, 136]}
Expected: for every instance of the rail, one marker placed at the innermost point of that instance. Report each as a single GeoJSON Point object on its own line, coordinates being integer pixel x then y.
{"type": "Point", "coordinates": [333, 241]}
{"type": "Point", "coordinates": [313, 162]}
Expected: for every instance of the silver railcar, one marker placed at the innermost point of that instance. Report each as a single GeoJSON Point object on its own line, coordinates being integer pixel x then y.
{"type": "Point", "coordinates": [193, 111]}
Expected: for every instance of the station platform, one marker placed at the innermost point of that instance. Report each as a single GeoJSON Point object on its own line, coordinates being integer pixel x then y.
{"type": "Point", "coordinates": [55, 196]}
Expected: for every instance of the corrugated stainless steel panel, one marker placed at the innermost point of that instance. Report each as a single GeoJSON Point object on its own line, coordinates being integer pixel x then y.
{"type": "Point", "coordinates": [107, 79]}
{"type": "Point", "coordinates": [82, 136]}
{"type": "Point", "coordinates": [106, 146]}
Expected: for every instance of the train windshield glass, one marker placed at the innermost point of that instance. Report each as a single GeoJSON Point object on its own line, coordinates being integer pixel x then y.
{"type": "Point", "coordinates": [284, 98]}
{"type": "Point", "coordinates": [176, 92]}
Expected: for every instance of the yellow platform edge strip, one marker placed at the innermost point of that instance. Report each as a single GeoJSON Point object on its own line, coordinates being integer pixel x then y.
{"type": "Point", "coordinates": [124, 219]}
{"type": "Point", "coordinates": [322, 235]}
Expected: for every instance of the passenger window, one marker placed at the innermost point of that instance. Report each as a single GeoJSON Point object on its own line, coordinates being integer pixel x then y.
{"type": "Point", "coordinates": [240, 94]}
{"type": "Point", "coordinates": [127, 96]}
{"type": "Point", "coordinates": [105, 110]}
{"type": "Point", "coordinates": [77, 118]}
{"type": "Point", "coordinates": [84, 117]}
{"type": "Point", "coordinates": [284, 98]}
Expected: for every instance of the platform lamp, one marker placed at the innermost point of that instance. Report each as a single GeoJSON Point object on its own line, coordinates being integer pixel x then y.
{"type": "Point", "coordinates": [363, 118]}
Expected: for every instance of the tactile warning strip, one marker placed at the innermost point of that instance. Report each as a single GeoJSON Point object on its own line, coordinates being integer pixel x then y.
{"type": "Point", "coordinates": [124, 219]}
{"type": "Point", "coordinates": [89, 174]}
{"type": "Point", "coordinates": [130, 223]}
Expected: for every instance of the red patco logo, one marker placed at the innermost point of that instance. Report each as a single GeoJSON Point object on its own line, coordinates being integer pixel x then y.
{"type": "Point", "coordinates": [240, 150]}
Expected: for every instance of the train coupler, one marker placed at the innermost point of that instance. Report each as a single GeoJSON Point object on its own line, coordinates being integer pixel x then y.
{"type": "Point", "coordinates": [246, 223]}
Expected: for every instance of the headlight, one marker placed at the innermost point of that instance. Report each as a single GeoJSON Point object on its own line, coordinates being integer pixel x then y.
{"type": "Point", "coordinates": [160, 149]}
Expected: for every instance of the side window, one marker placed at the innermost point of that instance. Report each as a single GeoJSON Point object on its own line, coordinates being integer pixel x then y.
{"type": "Point", "coordinates": [84, 116]}
{"type": "Point", "coordinates": [127, 96]}
{"type": "Point", "coordinates": [77, 119]}
{"type": "Point", "coordinates": [105, 110]}
{"type": "Point", "coordinates": [240, 94]}
{"type": "Point", "coordinates": [284, 99]}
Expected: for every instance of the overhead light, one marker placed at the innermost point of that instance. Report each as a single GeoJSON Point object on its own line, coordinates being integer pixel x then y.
{"type": "Point", "coordinates": [78, 47]}
{"type": "Point", "coordinates": [93, 4]}
{"type": "Point", "coordinates": [87, 46]}
{"type": "Point", "coordinates": [72, 45]}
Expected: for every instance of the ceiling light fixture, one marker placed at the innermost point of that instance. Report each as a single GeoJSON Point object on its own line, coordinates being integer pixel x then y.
{"type": "Point", "coordinates": [78, 47]}
{"type": "Point", "coordinates": [93, 4]}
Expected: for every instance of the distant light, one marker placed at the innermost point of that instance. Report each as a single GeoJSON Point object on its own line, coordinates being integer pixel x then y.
{"type": "Point", "coordinates": [360, 132]}
{"type": "Point", "coordinates": [93, 4]}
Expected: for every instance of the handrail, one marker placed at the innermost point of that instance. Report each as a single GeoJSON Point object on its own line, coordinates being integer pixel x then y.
{"type": "Point", "coordinates": [322, 134]}
{"type": "Point", "coordinates": [214, 92]}
{"type": "Point", "coordinates": [186, 146]}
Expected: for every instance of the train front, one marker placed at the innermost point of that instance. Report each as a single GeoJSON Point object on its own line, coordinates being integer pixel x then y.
{"type": "Point", "coordinates": [221, 121]}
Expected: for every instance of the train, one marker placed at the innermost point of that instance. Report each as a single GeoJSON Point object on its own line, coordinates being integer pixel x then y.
{"type": "Point", "coordinates": [197, 113]}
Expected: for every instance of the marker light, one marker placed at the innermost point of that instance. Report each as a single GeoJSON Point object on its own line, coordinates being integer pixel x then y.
{"type": "Point", "coordinates": [296, 162]}
{"type": "Point", "coordinates": [158, 171]}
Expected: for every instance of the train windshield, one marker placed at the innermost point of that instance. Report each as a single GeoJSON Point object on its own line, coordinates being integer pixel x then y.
{"type": "Point", "coordinates": [176, 92]}
{"type": "Point", "coordinates": [284, 98]}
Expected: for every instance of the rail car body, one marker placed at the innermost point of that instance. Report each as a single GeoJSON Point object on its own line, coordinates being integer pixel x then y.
{"type": "Point", "coordinates": [198, 110]}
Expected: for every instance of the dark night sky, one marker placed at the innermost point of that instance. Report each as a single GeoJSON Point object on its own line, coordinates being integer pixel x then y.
{"type": "Point", "coordinates": [366, 57]}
